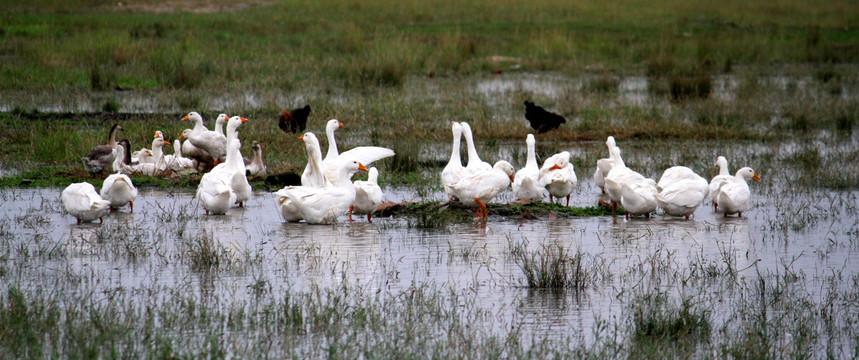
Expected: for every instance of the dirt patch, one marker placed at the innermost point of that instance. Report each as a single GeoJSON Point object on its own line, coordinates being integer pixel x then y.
{"type": "Point", "coordinates": [193, 6]}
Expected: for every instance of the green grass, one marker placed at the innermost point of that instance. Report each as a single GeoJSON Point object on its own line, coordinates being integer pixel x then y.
{"type": "Point", "coordinates": [97, 45]}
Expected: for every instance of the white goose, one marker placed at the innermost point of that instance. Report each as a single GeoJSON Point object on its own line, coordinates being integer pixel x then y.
{"type": "Point", "coordinates": [81, 201]}
{"type": "Point", "coordinates": [194, 153]}
{"type": "Point", "coordinates": [604, 165]}
{"type": "Point", "coordinates": [735, 196]}
{"type": "Point", "coordinates": [312, 175]}
{"type": "Point", "coordinates": [618, 175]}
{"type": "Point", "coordinates": [454, 170]}
{"type": "Point", "coordinates": [558, 176]}
{"type": "Point", "coordinates": [324, 205]}
{"type": "Point", "coordinates": [719, 180]}
{"type": "Point", "coordinates": [210, 141]}
{"type": "Point", "coordinates": [682, 197]}
{"type": "Point", "coordinates": [474, 163]}
{"type": "Point", "coordinates": [156, 168]}
{"type": "Point", "coordinates": [526, 183]}
{"type": "Point", "coordinates": [368, 195]}
{"type": "Point", "coordinates": [226, 184]}
{"type": "Point", "coordinates": [639, 198]}
{"type": "Point", "coordinates": [478, 188]}
{"type": "Point", "coordinates": [232, 171]}
{"type": "Point", "coordinates": [177, 162]}
{"type": "Point", "coordinates": [118, 189]}
{"type": "Point", "coordinates": [675, 174]}
{"type": "Point", "coordinates": [215, 194]}
{"type": "Point", "coordinates": [145, 155]}
{"type": "Point", "coordinates": [256, 167]}
{"type": "Point", "coordinates": [334, 160]}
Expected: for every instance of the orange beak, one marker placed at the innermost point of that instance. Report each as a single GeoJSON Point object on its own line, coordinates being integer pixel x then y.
{"type": "Point", "coordinates": [181, 136]}
{"type": "Point", "coordinates": [555, 167]}
{"type": "Point", "coordinates": [156, 134]}
{"type": "Point", "coordinates": [166, 143]}
{"type": "Point", "coordinates": [244, 120]}
{"type": "Point", "coordinates": [452, 122]}
{"type": "Point", "coordinates": [511, 177]}
{"type": "Point", "coordinates": [362, 167]}
{"type": "Point", "coordinates": [339, 124]}
{"type": "Point", "coordinates": [756, 177]}
{"type": "Point", "coordinates": [301, 138]}
{"type": "Point", "coordinates": [186, 118]}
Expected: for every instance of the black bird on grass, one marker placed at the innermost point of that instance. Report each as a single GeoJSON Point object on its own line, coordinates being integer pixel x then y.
{"type": "Point", "coordinates": [294, 121]}
{"type": "Point", "coordinates": [542, 120]}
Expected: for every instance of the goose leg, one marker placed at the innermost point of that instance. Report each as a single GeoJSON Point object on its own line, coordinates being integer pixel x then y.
{"type": "Point", "coordinates": [483, 211]}
{"type": "Point", "coordinates": [350, 213]}
{"type": "Point", "coordinates": [100, 220]}
{"type": "Point", "coordinates": [131, 204]}
{"type": "Point", "coordinates": [568, 200]}
{"type": "Point", "coordinates": [613, 208]}
{"type": "Point", "coordinates": [740, 214]}
{"type": "Point", "coordinates": [370, 217]}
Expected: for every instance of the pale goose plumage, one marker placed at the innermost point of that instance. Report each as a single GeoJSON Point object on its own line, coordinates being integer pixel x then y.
{"type": "Point", "coordinates": [323, 205]}
{"type": "Point", "coordinates": [735, 196]}
{"type": "Point", "coordinates": [81, 201]}
{"type": "Point", "coordinates": [719, 180]}
{"type": "Point", "coordinates": [454, 170]}
{"type": "Point", "coordinates": [478, 188]}
{"type": "Point", "coordinates": [604, 165]}
{"type": "Point", "coordinates": [558, 176]}
{"type": "Point", "coordinates": [368, 195]}
{"type": "Point", "coordinates": [526, 183]}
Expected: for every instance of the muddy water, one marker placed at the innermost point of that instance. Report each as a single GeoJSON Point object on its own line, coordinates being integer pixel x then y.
{"type": "Point", "coordinates": [147, 249]}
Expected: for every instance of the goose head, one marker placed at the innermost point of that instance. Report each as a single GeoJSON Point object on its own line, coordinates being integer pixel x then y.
{"type": "Point", "coordinates": [505, 167]}
{"type": "Point", "coordinates": [193, 116]}
{"type": "Point", "coordinates": [332, 125]}
{"type": "Point", "coordinates": [610, 143]}
{"type": "Point", "coordinates": [185, 134]}
{"type": "Point", "coordinates": [748, 173]}
{"type": "Point", "coordinates": [158, 134]}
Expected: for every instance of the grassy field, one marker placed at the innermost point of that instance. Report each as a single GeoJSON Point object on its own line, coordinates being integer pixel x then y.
{"type": "Point", "coordinates": [231, 45]}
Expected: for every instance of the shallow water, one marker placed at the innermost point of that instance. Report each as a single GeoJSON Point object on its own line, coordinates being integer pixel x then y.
{"type": "Point", "coordinates": [48, 246]}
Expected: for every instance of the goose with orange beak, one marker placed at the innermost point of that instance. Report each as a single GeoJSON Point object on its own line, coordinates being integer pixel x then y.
{"type": "Point", "coordinates": [558, 176]}
{"type": "Point", "coordinates": [734, 196]}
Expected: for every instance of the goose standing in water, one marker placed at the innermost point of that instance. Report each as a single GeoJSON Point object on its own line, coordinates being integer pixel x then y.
{"type": "Point", "coordinates": [368, 195]}
{"type": "Point", "coordinates": [81, 201]}
{"type": "Point", "coordinates": [735, 196]}
{"type": "Point", "coordinates": [719, 180]}
{"type": "Point", "coordinates": [118, 189]}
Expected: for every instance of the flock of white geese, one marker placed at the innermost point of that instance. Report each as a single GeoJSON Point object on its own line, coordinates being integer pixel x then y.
{"type": "Point", "coordinates": [327, 190]}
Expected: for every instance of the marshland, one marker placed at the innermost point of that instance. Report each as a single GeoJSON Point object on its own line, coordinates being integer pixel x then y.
{"type": "Point", "coordinates": [770, 85]}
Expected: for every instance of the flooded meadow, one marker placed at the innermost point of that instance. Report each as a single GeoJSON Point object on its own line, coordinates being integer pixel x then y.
{"type": "Point", "coordinates": [169, 281]}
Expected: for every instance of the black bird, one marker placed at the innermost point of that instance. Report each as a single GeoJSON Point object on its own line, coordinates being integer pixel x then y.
{"type": "Point", "coordinates": [294, 121]}
{"type": "Point", "coordinates": [542, 120]}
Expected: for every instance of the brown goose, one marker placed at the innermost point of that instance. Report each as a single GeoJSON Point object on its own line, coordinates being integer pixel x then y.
{"type": "Point", "coordinates": [101, 157]}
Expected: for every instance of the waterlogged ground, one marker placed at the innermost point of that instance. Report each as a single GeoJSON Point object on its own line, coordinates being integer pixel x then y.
{"type": "Point", "coordinates": [167, 279]}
